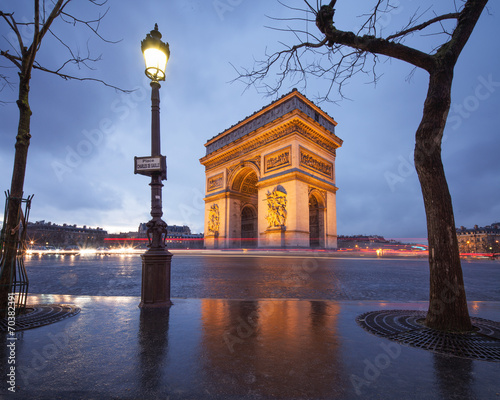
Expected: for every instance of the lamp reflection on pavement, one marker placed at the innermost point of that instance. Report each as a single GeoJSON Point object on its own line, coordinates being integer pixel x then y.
{"type": "Point", "coordinates": [153, 346]}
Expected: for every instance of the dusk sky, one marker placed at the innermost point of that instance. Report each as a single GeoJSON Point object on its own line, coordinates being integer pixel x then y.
{"type": "Point", "coordinates": [85, 135]}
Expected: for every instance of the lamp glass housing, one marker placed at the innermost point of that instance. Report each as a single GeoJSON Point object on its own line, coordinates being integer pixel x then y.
{"type": "Point", "coordinates": [156, 54]}
{"type": "Point", "coordinates": [156, 63]}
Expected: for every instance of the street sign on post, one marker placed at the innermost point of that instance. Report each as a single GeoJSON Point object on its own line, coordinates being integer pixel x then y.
{"type": "Point", "coordinates": [151, 165]}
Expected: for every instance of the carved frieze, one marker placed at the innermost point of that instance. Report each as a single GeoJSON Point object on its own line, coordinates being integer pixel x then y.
{"type": "Point", "coordinates": [315, 163]}
{"type": "Point", "coordinates": [284, 131]}
{"type": "Point", "coordinates": [278, 159]}
{"type": "Point", "coordinates": [215, 182]}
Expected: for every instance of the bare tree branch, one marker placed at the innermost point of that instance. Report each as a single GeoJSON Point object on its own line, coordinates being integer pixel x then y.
{"type": "Point", "coordinates": [371, 21]}
{"type": "Point", "coordinates": [347, 63]}
{"type": "Point", "coordinates": [380, 46]}
{"type": "Point", "coordinates": [88, 24]}
{"type": "Point", "coordinates": [42, 21]}
{"type": "Point", "coordinates": [285, 58]}
{"type": "Point", "coordinates": [77, 78]}
{"type": "Point", "coordinates": [4, 82]}
{"type": "Point", "coordinates": [14, 59]}
{"type": "Point", "coordinates": [424, 25]}
{"type": "Point", "coordinates": [466, 24]}
{"type": "Point", "coordinates": [295, 8]}
{"type": "Point", "coordinates": [9, 18]}
{"type": "Point", "coordinates": [56, 11]}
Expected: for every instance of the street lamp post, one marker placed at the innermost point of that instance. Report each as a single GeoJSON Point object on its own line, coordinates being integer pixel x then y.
{"type": "Point", "coordinates": [156, 261]}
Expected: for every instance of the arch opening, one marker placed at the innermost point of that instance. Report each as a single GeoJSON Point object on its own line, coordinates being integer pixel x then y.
{"type": "Point", "coordinates": [248, 227]}
{"type": "Point", "coordinates": [245, 209]}
{"type": "Point", "coordinates": [316, 223]}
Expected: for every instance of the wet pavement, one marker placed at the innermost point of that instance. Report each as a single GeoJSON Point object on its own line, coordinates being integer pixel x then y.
{"type": "Point", "coordinates": [256, 277]}
{"type": "Point", "coordinates": [252, 346]}
{"type": "Point", "coordinates": [230, 349]}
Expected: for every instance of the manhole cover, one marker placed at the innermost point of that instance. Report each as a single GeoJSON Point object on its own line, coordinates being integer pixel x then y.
{"type": "Point", "coordinates": [41, 314]}
{"type": "Point", "coordinates": [402, 326]}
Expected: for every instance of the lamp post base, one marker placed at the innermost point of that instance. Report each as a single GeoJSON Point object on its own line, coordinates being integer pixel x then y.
{"type": "Point", "coordinates": [155, 288]}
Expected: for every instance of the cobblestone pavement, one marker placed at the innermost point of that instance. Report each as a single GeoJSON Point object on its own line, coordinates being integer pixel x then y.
{"type": "Point", "coordinates": [257, 277]}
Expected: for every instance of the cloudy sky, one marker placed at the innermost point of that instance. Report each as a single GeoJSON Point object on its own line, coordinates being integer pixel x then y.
{"type": "Point", "coordinates": [85, 135]}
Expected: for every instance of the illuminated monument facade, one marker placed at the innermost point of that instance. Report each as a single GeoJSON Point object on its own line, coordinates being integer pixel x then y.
{"type": "Point", "coordinates": [270, 179]}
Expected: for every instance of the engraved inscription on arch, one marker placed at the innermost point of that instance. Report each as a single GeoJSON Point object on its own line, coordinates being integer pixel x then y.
{"type": "Point", "coordinates": [316, 163]}
{"type": "Point", "coordinates": [278, 159]}
{"type": "Point", "coordinates": [215, 182]}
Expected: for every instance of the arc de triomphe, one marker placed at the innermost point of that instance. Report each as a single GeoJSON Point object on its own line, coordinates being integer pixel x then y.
{"type": "Point", "coordinates": [270, 179]}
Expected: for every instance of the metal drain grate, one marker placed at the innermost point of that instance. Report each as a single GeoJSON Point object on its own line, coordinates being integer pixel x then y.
{"type": "Point", "coordinates": [40, 315]}
{"type": "Point", "coordinates": [402, 326]}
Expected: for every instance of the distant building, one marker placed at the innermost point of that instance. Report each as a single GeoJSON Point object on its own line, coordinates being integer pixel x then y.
{"type": "Point", "coordinates": [43, 233]}
{"type": "Point", "coordinates": [172, 229]}
{"type": "Point", "coordinates": [371, 242]}
{"type": "Point", "coordinates": [361, 241]}
{"type": "Point", "coordinates": [479, 239]}
{"type": "Point", "coordinates": [177, 237]}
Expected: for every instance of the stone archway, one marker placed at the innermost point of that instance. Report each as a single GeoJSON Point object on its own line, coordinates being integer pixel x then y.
{"type": "Point", "coordinates": [316, 222]}
{"type": "Point", "coordinates": [244, 208]}
{"type": "Point", "coordinates": [245, 182]}
{"type": "Point", "coordinates": [248, 226]}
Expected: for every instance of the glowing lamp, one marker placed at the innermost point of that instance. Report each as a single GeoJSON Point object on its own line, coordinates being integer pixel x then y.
{"type": "Point", "coordinates": [156, 55]}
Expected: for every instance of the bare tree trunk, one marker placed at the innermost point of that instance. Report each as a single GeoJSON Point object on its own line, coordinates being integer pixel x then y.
{"type": "Point", "coordinates": [16, 191]}
{"type": "Point", "coordinates": [447, 300]}
{"type": "Point", "coordinates": [23, 59]}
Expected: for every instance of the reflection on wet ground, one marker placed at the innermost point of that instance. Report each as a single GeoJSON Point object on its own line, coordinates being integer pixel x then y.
{"type": "Point", "coordinates": [235, 349]}
{"type": "Point", "coordinates": [286, 338]}
{"type": "Point", "coordinates": [285, 348]}
{"type": "Point", "coordinates": [283, 277]}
